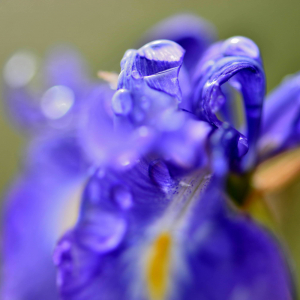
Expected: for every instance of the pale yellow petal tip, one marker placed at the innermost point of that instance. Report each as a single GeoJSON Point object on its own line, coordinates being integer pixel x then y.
{"type": "Point", "coordinates": [110, 77]}
{"type": "Point", "coordinates": [277, 172]}
{"type": "Point", "coordinates": [158, 267]}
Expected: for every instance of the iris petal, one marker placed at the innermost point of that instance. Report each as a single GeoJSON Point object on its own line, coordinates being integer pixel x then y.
{"type": "Point", "coordinates": [158, 57]}
{"type": "Point", "coordinates": [147, 117]}
{"type": "Point", "coordinates": [239, 59]}
{"type": "Point", "coordinates": [230, 257]}
{"type": "Point", "coordinates": [191, 32]}
{"type": "Point", "coordinates": [190, 252]}
{"type": "Point", "coordinates": [47, 188]}
{"type": "Point", "coordinates": [281, 118]}
{"type": "Point", "coordinates": [99, 205]}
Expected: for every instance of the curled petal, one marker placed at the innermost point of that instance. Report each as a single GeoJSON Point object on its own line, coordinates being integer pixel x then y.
{"type": "Point", "coordinates": [192, 33]}
{"type": "Point", "coordinates": [158, 63]}
{"type": "Point", "coordinates": [235, 60]}
{"type": "Point", "coordinates": [158, 56]}
{"type": "Point", "coordinates": [145, 106]}
{"type": "Point", "coordinates": [226, 148]}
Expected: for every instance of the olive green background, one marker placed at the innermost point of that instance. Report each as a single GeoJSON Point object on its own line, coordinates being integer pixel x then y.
{"type": "Point", "coordinates": [103, 30]}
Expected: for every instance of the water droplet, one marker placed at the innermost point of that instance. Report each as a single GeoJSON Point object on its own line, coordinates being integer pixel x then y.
{"type": "Point", "coordinates": [122, 102]}
{"type": "Point", "coordinates": [122, 196]}
{"type": "Point", "coordinates": [125, 159]}
{"type": "Point", "coordinates": [242, 146]}
{"type": "Point", "coordinates": [103, 233]}
{"type": "Point", "coordinates": [240, 45]}
{"type": "Point", "coordinates": [20, 69]}
{"type": "Point", "coordinates": [184, 184]}
{"type": "Point", "coordinates": [135, 74]}
{"type": "Point", "coordinates": [159, 174]}
{"type": "Point", "coordinates": [57, 101]}
{"type": "Point", "coordinates": [143, 131]}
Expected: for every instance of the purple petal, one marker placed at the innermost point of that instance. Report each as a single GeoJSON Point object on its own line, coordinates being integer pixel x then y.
{"type": "Point", "coordinates": [236, 59]}
{"type": "Point", "coordinates": [158, 63]}
{"type": "Point", "coordinates": [145, 103]}
{"type": "Point", "coordinates": [210, 244]}
{"type": "Point", "coordinates": [232, 252]}
{"type": "Point", "coordinates": [92, 257]}
{"type": "Point", "coordinates": [281, 118]}
{"type": "Point", "coordinates": [65, 66]}
{"type": "Point", "coordinates": [37, 208]}
{"type": "Point", "coordinates": [191, 32]}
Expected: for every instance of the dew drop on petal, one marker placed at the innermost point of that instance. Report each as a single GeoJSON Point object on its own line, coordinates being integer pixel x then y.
{"type": "Point", "coordinates": [159, 174]}
{"type": "Point", "coordinates": [57, 101]}
{"type": "Point", "coordinates": [122, 102]}
{"type": "Point", "coordinates": [242, 146]}
{"type": "Point", "coordinates": [20, 69]}
{"type": "Point", "coordinates": [143, 131]}
{"type": "Point", "coordinates": [122, 196]}
{"type": "Point", "coordinates": [102, 234]}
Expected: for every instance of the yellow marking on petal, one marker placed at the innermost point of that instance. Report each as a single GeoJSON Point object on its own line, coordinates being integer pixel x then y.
{"type": "Point", "coordinates": [277, 172]}
{"type": "Point", "coordinates": [158, 267]}
{"type": "Point", "coordinates": [110, 77]}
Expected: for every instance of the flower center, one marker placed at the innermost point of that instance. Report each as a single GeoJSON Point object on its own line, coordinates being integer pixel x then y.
{"type": "Point", "coordinates": [159, 259]}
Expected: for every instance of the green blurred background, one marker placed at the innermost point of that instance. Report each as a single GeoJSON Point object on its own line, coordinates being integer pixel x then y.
{"type": "Point", "coordinates": [103, 30]}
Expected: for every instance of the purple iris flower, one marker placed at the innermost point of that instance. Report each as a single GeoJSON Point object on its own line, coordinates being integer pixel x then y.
{"type": "Point", "coordinates": [158, 217]}
{"type": "Point", "coordinates": [163, 228]}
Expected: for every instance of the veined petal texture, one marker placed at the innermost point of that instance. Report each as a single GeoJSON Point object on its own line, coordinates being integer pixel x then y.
{"type": "Point", "coordinates": [162, 57]}
{"type": "Point", "coordinates": [147, 234]}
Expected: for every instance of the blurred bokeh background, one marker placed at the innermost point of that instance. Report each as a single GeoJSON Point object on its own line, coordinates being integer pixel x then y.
{"type": "Point", "coordinates": [103, 30]}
